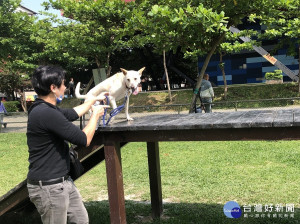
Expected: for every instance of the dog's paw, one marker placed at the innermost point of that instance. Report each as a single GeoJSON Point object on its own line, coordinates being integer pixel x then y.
{"type": "Point", "coordinates": [129, 119]}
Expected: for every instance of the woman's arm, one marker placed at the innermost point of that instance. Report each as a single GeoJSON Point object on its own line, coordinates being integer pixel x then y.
{"type": "Point", "coordinates": [83, 108]}
{"type": "Point", "coordinates": [89, 130]}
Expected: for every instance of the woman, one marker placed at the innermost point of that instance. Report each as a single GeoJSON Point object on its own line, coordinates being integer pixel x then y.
{"type": "Point", "coordinates": [50, 188]}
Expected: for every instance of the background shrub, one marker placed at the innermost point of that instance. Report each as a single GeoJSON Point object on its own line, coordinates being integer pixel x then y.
{"type": "Point", "coordinates": [12, 106]}
{"type": "Point", "coordinates": [277, 74]}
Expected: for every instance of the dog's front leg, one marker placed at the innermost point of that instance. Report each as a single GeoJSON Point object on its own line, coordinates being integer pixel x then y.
{"type": "Point", "coordinates": [113, 104]}
{"type": "Point", "coordinates": [126, 109]}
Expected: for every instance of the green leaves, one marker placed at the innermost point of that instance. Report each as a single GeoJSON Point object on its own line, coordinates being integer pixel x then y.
{"type": "Point", "coordinates": [276, 75]}
{"type": "Point", "coordinates": [16, 43]}
{"type": "Point", "coordinates": [171, 24]}
{"type": "Point", "coordinates": [93, 30]}
{"type": "Point", "coordinates": [283, 23]}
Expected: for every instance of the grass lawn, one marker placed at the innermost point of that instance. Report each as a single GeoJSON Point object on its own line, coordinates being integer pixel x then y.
{"type": "Point", "coordinates": [198, 178]}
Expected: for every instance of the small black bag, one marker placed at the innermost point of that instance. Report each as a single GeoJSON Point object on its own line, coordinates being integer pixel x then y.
{"type": "Point", "coordinates": [76, 168]}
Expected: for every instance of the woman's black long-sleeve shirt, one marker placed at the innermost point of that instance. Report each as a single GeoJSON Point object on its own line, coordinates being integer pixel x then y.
{"type": "Point", "coordinates": [48, 128]}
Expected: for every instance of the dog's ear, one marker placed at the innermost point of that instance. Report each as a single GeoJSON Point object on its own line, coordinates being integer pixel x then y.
{"type": "Point", "coordinates": [141, 70]}
{"type": "Point", "coordinates": [124, 71]}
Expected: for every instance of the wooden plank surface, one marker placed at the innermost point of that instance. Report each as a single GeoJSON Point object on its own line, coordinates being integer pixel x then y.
{"type": "Point", "coordinates": [264, 119]}
{"type": "Point", "coordinates": [284, 118]}
{"type": "Point", "coordinates": [296, 118]}
{"type": "Point", "coordinates": [240, 119]}
{"type": "Point", "coordinates": [228, 121]}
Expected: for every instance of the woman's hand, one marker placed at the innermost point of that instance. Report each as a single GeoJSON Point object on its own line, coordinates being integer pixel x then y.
{"type": "Point", "coordinates": [99, 109]}
{"type": "Point", "coordinates": [100, 97]}
{"type": "Point", "coordinates": [89, 130]}
{"type": "Point", "coordinates": [83, 108]}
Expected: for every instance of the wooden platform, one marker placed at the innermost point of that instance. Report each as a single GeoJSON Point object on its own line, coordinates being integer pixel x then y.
{"type": "Point", "coordinates": [246, 125]}
{"type": "Point", "coordinates": [243, 125]}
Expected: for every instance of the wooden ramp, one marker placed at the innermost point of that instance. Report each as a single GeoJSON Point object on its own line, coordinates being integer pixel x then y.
{"type": "Point", "coordinates": [17, 200]}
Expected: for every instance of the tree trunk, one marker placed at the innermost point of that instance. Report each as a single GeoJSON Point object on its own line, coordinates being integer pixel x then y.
{"type": "Point", "coordinates": [166, 71]}
{"type": "Point", "coordinates": [13, 95]}
{"type": "Point", "coordinates": [23, 100]}
{"type": "Point", "coordinates": [223, 74]}
{"type": "Point", "coordinates": [108, 70]}
{"type": "Point", "coordinates": [88, 86]}
{"type": "Point", "coordinates": [203, 69]}
{"type": "Point", "coordinates": [97, 62]}
{"type": "Point", "coordinates": [108, 66]}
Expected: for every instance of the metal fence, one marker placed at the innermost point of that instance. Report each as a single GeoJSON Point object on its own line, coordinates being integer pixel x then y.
{"type": "Point", "coordinates": [235, 105]}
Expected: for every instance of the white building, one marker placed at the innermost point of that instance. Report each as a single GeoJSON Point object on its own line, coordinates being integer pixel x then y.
{"type": "Point", "coordinates": [24, 9]}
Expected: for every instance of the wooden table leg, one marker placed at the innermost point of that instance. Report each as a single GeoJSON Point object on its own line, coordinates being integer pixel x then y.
{"type": "Point", "coordinates": [155, 179]}
{"type": "Point", "coordinates": [115, 183]}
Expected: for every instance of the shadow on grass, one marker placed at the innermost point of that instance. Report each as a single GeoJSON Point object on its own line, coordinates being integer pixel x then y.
{"type": "Point", "coordinates": [174, 213]}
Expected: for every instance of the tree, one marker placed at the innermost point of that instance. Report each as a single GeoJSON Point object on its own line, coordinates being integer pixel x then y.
{"type": "Point", "coordinates": [234, 14]}
{"type": "Point", "coordinates": [197, 26]}
{"type": "Point", "coordinates": [17, 48]}
{"type": "Point", "coordinates": [103, 36]}
{"type": "Point", "coordinates": [283, 24]}
{"type": "Point", "coordinates": [15, 42]}
{"type": "Point", "coordinates": [94, 31]}
{"type": "Point", "coordinates": [61, 44]}
{"type": "Point", "coordinates": [9, 82]}
{"type": "Point", "coordinates": [172, 24]}
{"type": "Point", "coordinates": [232, 45]}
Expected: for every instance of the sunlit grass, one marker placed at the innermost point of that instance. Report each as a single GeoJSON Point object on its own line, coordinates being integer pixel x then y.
{"type": "Point", "coordinates": [198, 178]}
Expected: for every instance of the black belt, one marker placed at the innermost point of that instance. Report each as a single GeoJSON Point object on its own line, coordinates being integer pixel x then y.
{"type": "Point", "coordinates": [48, 182]}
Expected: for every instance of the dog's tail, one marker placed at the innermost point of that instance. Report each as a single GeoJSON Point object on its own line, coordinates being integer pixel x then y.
{"type": "Point", "coordinates": [77, 92]}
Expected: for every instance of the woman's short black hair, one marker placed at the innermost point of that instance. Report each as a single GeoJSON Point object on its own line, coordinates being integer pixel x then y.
{"type": "Point", "coordinates": [44, 76]}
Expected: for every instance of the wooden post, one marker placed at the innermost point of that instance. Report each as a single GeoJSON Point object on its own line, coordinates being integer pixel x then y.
{"type": "Point", "coordinates": [115, 183]}
{"type": "Point", "coordinates": [155, 179]}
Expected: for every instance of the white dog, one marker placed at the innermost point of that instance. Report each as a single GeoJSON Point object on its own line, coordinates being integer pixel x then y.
{"type": "Point", "coordinates": [119, 85]}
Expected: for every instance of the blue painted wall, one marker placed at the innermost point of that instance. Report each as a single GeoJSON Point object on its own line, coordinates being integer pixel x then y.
{"type": "Point", "coordinates": [248, 67]}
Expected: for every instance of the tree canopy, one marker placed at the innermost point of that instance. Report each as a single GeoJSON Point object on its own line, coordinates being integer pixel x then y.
{"type": "Point", "coordinates": [17, 48]}
{"type": "Point", "coordinates": [95, 29]}
{"type": "Point", "coordinates": [15, 37]}
{"type": "Point", "coordinates": [99, 33]}
{"type": "Point", "coordinates": [282, 24]}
